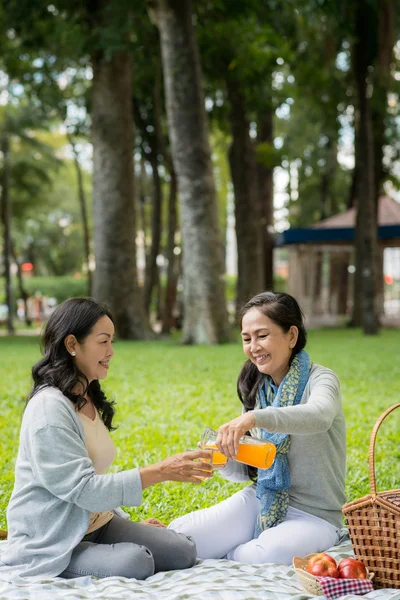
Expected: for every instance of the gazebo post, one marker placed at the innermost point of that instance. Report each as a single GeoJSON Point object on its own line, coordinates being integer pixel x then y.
{"type": "Point", "coordinates": [333, 292]}
{"type": "Point", "coordinates": [296, 275]}
{"type": "Point", "coordinates": [380, 297]}
{"type": "Point", "coordinates": [317, 282]}
{"type": "Point", "coordinates": [343, 282]}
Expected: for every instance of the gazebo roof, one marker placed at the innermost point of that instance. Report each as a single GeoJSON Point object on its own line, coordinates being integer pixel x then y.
{"type": "Point", "coordinates": [388, 214]}
{"type": "Point", "coordinates": [340, 229]}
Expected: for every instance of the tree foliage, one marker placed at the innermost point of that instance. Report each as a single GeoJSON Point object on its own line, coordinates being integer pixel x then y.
{"type": "Point", "coordinates": [283, 84]}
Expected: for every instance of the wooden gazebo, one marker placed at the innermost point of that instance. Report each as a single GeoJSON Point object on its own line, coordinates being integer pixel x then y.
{"type": "Point", "coordinates": [321, 261]}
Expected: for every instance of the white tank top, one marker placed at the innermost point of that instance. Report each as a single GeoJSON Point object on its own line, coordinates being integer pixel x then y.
{"type": "Point", "coordinates": [101, 452]}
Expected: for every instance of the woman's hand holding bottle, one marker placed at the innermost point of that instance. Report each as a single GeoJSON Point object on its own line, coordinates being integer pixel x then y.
{"type": "Point", "coordinates": [230, 433]}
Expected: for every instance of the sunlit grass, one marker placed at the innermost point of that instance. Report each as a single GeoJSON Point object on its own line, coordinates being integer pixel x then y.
{"type": "Point", "coordinates": [167, 394]}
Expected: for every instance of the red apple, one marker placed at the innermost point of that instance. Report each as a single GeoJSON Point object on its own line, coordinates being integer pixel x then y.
{"type": "Point", "coordinates": [322, 565]}
{"type": "Point", "coordinates": [351, 568]}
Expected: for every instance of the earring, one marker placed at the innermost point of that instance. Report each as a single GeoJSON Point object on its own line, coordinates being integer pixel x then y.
{"type": "Point", "coordinates": [73, 353]}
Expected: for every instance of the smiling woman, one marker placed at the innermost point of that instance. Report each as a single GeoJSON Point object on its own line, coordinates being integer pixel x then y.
{"type": "Point", "coordinates": [96, 353]}
{"type": "Point", "coordinates": [267, 345]}
{"type": "Point", "coordinates": [60, 474]}
{"type": "Point", "coordinates": [294, 507]}
{"type": "Point", "coordinates": [92, 356]}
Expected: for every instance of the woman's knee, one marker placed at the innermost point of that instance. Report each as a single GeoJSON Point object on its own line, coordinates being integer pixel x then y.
{"type": "Point", "coordinates": [134, 561]}
{"type": "Point", "coordinates": [183, 550]}
{"type": "Point", "coordinates": [254, 553]}
{"type": "Point", "coordinates": [178, 524]}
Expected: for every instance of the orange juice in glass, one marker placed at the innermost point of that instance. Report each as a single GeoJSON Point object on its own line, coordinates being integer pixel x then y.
{"type": "Point", "coordinates": [217, 459]}
{"type": "Point", "coordinates": [252, 451]}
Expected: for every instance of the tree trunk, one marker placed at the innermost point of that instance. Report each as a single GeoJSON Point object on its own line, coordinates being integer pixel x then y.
{"type": "Point", "coordinates": [328, 201]}
{"type": "Point", "coordinates": [82, 205]}
{"type": "Point", "coordinates": [151, 260]}
{"type": "Point", "coordinates": [247, 206]}
{"type": "Point", "coordinates": [23, 293]}
{"type": "Point", "coordinates": [265, 179]}
{"type": "Point", "coordinates": [152, 275]}
{"type": "Point", "coordinates": [142, 210]}
{"type": "Point", "coordinates": [115, 278]}
{"type": "Point", "coordinates": [386, 35]}
{"type": "Point", "coordinates": [205, 314]}
{"type": "Point", "coordinates": [366, 223]}
{"type": "Point", "coordinates": [159, 297]}
{"type": "Point", "coordinates": [173, 263]}
{"type": "Point", "coordinates": [6, 214]}
{"type": "Point", "coordinates": [356, 319]}
{"type": "Point", "coordinates": [167, 304]}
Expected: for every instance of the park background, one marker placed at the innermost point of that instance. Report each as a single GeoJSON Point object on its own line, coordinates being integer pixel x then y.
{"type": "Point", "coordinates": [173, 160]}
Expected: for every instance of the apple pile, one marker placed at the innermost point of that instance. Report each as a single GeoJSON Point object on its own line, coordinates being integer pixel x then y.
{"type": "Point", "coordinates": [323, 565]}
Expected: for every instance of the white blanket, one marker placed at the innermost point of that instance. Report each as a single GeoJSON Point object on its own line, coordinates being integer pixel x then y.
{"type": "Point", "coordinates": [208, 579]}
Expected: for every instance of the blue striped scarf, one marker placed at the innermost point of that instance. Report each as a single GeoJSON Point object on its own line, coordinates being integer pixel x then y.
{"type": "Point", "coordinates": [273, 484]}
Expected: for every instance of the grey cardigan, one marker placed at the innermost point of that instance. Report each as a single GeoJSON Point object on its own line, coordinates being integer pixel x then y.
{"type": "Point", "coordinates": [55, 489]}
{"type": "Point", "coordinates": [317, 454]}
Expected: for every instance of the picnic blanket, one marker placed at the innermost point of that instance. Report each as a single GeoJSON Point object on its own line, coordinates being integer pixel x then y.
{"type": "Point", "coordinates": [208, 579]}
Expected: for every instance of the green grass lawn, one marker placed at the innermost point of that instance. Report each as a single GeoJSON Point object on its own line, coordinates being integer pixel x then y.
{"type": "Point", "coordinates": [167, 394]}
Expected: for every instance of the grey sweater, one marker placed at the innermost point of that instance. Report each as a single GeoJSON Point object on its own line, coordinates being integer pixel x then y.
{"type": "Point", "coordinates": [56, 488]}
{"type": "Point", "coordinates": [317, 454]}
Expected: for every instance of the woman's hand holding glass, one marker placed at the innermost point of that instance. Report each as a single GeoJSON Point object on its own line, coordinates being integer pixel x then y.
{"type": "Point", "coordinates": [185, 466]}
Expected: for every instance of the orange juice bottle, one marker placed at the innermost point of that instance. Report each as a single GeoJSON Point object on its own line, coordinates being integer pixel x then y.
{"type": "Point", "coordinates": [255, 452]}
{"type": "Point", "coordinates": [252, 451]}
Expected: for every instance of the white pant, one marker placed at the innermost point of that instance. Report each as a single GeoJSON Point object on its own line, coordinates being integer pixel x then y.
{"type": "Point", "coordinates": [226, 530]}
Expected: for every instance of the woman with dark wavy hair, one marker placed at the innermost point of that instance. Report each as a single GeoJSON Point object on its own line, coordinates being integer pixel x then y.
{"type": "Point", "coordinates": [63, 516]}
{"type": "Point", "coordinates": [293, 508]}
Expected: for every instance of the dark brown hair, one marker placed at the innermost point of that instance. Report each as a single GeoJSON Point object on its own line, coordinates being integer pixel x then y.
{"type": "Point", "coordinates": [284, 311]}
{"type": "Point", "coordinates": [57, 368]}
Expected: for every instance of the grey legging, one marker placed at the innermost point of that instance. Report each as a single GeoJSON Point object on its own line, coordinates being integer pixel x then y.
{"type": "Point", "coordinates": [127, 549]}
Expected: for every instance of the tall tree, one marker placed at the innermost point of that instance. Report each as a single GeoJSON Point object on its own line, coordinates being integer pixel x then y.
{"type": "Point", "coordinates": [26, 164]}
{"type": "Point", "coordinates": [374, 32]}
{"type": "Point", "coordinates": [115, 277]}
{"type": "Point", "coordinates": [66, 36]}
{"type": "Point", "coordinates": [154, 146]}
{"type": "Point", "coordinates": [173, 260]}
{"type": "Point", "coordinates": [247, 207]}
{"type": "Point", "coordinates": [83, 210]}
{"type": "Point", "coordinates": [149, 129]}
{"type": "Point", "coordinates": [205, 315]}
{"type": "Point", "coordinates": [240, 45]}
{"type": "Point", "coordinates": [6, 219]}
{"type": "Point", "coordinates": [265, 181]}
{"type": "Point", "coordinates": [366, 223]}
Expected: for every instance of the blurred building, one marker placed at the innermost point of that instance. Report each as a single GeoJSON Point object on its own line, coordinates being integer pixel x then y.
{"type": "Point", "coordinates": [321, 265]}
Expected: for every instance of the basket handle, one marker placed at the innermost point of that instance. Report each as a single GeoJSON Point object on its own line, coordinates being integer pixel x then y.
{"type": "Point", "coordinates": [371, 453]}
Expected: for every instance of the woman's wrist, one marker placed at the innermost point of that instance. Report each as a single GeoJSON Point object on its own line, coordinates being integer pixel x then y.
{"type": "Point", "coordinates": [151, 475]}
{"type": "Point", "coordinates": [252, 418]}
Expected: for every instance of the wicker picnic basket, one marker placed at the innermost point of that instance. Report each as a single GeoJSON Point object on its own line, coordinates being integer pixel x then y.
{"type": "Point", "coordinates": [374, 524]}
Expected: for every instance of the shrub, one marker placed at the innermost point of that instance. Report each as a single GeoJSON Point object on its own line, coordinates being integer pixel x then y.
{"type": "Point", "coordinates": [60, 288]}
